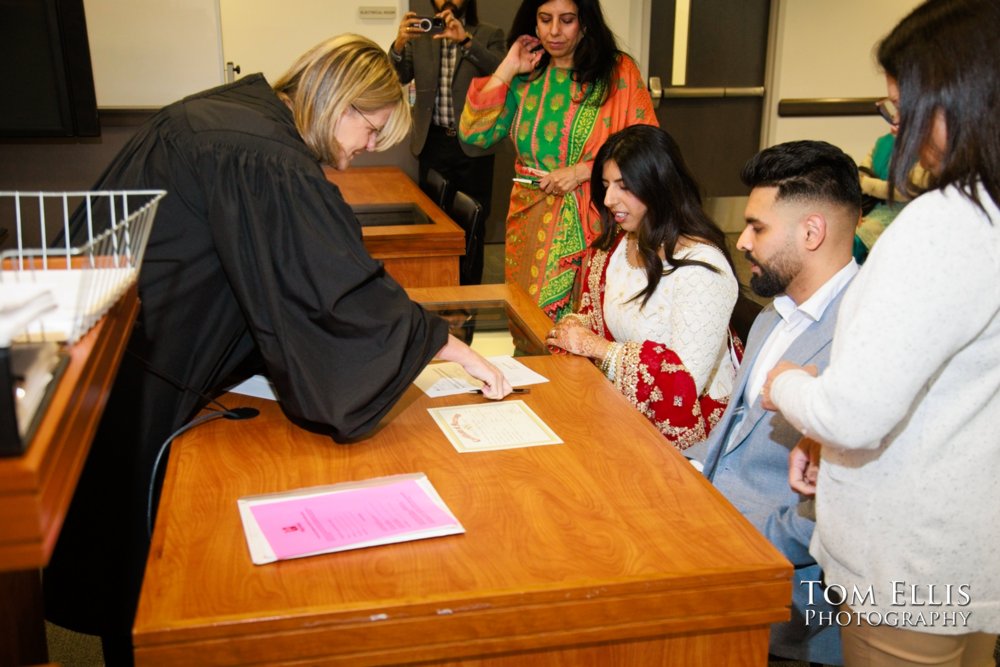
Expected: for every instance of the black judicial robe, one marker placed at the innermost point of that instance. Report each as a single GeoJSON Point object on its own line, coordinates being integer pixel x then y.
{"type": "Point", "coordinates": [253, 256]}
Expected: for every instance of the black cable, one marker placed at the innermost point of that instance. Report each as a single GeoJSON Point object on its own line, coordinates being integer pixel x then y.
{"type": "Point", "coordinates": [235, 414]}
{"type": "Point", "coordinates": [169, 379]}
{"type": "Point", "coordinates": [159, 455]}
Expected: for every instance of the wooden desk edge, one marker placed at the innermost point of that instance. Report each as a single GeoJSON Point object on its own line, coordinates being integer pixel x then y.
{"type": "Point", "coordinates": [757, 597]}
{"type": "Point", "coordinates": [45, 477]}
{"type": "Point", "coordinates": [477, 632]}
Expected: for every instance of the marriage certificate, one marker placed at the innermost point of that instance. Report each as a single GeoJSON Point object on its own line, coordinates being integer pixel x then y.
{"type": "Point", "coordinates": [488, 426]}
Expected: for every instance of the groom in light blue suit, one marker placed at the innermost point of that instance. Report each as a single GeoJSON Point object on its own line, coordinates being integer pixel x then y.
{"type": "Point", "coordinates": [804, 204]}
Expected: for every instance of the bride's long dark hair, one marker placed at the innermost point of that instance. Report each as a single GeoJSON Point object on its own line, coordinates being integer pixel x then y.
{"type": "Point", "coordinates": [653, 169]}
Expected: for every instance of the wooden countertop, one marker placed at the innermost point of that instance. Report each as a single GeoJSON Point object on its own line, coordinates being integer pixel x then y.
{"type": "Point", "coordinates": [609, 547]}
{"type": "Point", "coordinates": [36, 487]}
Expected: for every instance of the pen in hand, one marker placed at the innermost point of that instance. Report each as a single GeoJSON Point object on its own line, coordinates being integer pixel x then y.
{"type": "Point", "coordinates": [515, 390]}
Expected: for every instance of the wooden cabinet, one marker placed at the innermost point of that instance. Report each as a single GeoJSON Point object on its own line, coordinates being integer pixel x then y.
{"type": "Point", "coordinates": [424, 253]}
{"type": "Point", "coordinates": [36, 487]}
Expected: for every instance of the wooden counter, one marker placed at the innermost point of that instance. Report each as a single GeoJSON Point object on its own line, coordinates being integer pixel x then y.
{"type": "Point", "coordinates": [420, 255]}
{"type": "Point", "coordinates": [36, 487]}
{"type": "Point", "coordinates": [609, 549]}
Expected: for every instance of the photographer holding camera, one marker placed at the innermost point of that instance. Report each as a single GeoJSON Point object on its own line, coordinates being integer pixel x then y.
{"type": "Point", "coordinates": [441, 55]}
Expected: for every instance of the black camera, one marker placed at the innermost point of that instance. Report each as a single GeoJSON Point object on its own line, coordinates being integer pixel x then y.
{"type": "Point", "coordinates": [430, 24]}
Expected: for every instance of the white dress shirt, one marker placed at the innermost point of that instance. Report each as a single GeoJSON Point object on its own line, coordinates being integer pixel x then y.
{"type": "Point", "coordinates": [794, 320]}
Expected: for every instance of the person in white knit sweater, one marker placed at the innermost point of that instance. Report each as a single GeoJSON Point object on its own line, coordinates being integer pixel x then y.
{"type": "Point", "coordinates": [907, 412]}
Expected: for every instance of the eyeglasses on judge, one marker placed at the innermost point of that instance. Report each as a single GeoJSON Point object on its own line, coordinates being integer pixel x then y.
{"type": "Point", "coordinates": [375, 130]}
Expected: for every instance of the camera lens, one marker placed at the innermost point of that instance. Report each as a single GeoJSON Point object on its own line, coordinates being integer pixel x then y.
{"type": "Point", "coordinates": [425, 25]}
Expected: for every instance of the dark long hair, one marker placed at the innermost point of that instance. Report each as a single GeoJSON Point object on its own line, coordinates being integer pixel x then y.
{"type": "Point", "coordinates": [945, 57]}
{"type": "Point", "coordinates": [596, 55]}
{"type": "Point", "coordinates": [653, 170]}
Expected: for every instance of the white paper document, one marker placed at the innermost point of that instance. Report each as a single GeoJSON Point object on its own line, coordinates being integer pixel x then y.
{"type": "Point", "coordinates": [258, 386]}
{"type": "Point", "coordinates": [449, 378]}
{"type": "Point", "coordinates": [489, 426]}
{"type": "Point", "coordinates": [79, 297]}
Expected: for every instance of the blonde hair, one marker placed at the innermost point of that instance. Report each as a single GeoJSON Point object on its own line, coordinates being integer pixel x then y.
{"type": "Point", "coordinates": [343, 71]}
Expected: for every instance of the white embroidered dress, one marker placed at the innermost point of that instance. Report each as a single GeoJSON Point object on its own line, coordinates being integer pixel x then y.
{"type": "Point", "coordinates": [689, 313]}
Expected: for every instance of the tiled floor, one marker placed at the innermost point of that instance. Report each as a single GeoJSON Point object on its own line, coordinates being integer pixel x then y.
{"type": "Point", "coordinates": [493, 264]}
{"type": "Point", "coordinates": [72, 649]}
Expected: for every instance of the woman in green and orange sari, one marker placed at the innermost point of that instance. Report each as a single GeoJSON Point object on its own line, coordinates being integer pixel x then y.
{"type": "Point", "coordinates": [559, 95]}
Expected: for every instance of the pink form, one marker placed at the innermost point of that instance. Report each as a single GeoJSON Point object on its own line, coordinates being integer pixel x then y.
{"type": "Point", "coordinates": [352, 517]}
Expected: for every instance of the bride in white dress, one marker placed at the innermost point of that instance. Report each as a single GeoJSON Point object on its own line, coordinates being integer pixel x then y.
{"type": "Point", "coordinates": [659, 289]}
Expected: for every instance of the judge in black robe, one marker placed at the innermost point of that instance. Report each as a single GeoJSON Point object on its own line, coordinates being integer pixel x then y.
{"type": "Point", "coordinates": [254, 258]}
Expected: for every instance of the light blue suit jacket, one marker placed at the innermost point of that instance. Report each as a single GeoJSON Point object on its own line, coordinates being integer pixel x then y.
{"type": "Point", "coordinates": [753, 475]}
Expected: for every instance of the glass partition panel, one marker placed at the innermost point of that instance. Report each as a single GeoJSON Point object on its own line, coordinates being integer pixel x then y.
{"type": "Point", "coordinates": [490, 328]}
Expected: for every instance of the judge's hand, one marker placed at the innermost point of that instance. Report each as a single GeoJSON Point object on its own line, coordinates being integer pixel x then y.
{"type": "Point", "coordinates": [495, 385]}
{"type": "Point", "coordinates": [803, 466]}
{"type": "Point", "coordinates": [453, 28]}
{"type": "Point", "coordinates": [781, 367]}
{"type": "Point", "coordinates": [563, 180]}
{"type": "Point", "coordinates": [576, 338]}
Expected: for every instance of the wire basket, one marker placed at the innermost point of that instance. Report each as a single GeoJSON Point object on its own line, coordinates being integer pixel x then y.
{"type": "Point", "coordinates": [71, 257]}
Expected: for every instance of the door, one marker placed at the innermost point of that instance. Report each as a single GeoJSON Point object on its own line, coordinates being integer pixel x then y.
{"type": "Point", "coordinates": [500, 14]}
{"type": "Point", "coordinates": [712, 83]}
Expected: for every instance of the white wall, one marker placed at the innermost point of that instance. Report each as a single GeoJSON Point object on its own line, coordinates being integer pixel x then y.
{"type": "Point", "coordinates": [824, 48]}
{"type": "Point", "coordinates": [152, 52]}
{"type": "Point", "coordinates": [627, 20]}
{"type": "Point", "coordinates": [147, 53]}
{"type": "Point", "coordinates": [268, 35]}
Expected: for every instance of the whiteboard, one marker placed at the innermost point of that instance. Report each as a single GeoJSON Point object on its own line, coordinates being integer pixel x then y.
{"type": "Point", "coordinates": [148, 53]}
{"type": "Point", "coordinates": [268, 36]}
